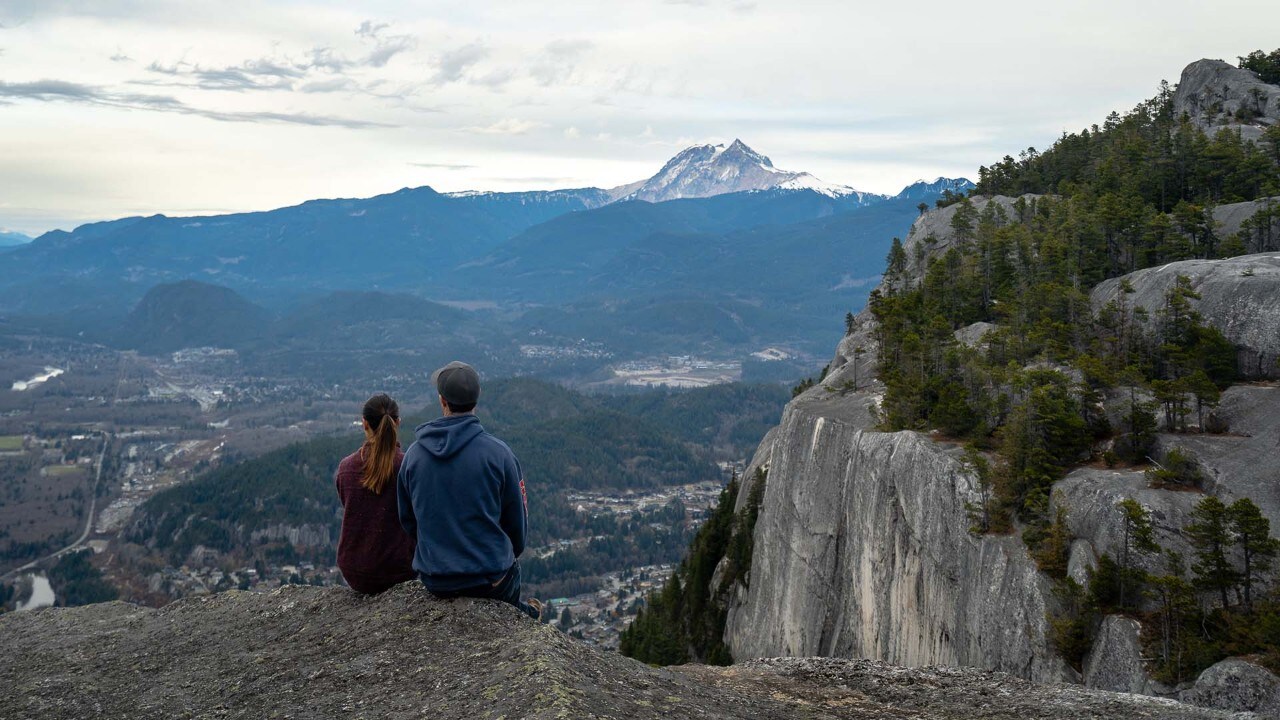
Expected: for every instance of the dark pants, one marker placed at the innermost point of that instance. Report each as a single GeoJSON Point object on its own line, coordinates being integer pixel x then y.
{"type": "Point", "coordinates": [507, 590]}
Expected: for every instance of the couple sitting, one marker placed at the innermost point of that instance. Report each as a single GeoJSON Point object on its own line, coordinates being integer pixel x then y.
{"type": "Point", "coordinates": [458, 514]}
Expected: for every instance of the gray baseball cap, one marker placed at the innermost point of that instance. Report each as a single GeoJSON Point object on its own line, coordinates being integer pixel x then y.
{"type": "Point", "coordinates": [457, 382]}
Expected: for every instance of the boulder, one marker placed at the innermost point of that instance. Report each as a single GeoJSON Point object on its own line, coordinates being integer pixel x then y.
{"type": "Point", "coordinates": [1081, 562]}
{"type": "Point", "coordinates": [1115, 661]}
{"type": "Point", "coordinates": [1236, 684]}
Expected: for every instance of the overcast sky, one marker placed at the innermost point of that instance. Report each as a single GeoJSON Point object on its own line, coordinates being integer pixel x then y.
{"type": "Point", "coordinates": [111, 108]}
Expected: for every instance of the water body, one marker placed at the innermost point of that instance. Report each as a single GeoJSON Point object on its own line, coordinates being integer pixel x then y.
{"type": "Point", "coordinates": [48, 374]}
{"type": "Point", "coordinates": [41, 593]}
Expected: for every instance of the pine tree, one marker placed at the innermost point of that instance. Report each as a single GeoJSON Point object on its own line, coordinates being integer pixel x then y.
{"type": "Point", "coordinates": [1138, 538]}
{"type": "Point", "coordinates": [1253, 536]}
{"type": "Point", "coordinates": [1210, 535]}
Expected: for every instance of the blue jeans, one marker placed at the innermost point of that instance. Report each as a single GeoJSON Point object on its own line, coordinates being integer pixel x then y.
{"type": "Point", "coordinates": [507, 590]}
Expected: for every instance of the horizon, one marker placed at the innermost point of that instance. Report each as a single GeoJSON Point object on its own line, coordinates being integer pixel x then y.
{"type": "Point", "coordinates": [127, 108]}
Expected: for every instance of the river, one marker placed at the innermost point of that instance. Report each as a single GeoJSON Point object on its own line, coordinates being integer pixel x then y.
{"type": "Point", "coordinates": [41, 593]}
{"type": "Point", "coordinates": [48, 374]}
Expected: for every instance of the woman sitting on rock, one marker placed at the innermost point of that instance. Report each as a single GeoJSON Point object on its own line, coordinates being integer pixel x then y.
{"type": "Point", "coordinates": [374, 552]}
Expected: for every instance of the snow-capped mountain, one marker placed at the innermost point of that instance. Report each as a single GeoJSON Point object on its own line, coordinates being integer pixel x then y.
{"type": "Point", "coordinates": [924, 189]}
{"type": "Point", "coordinates": [706, 170]}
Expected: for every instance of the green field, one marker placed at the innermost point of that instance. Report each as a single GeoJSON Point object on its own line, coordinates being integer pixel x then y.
{"type": "Point", "coordinates": [62, 470]}
{"type": "Point", "coordinates": [10, 443]}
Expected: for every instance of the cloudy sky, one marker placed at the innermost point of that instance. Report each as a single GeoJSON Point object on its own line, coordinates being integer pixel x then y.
{"type": "Point", "coordinates": [111, 108]}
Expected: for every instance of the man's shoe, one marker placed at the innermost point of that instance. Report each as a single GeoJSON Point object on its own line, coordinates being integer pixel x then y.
{"type": "Point", "coordinates": [536, 604]}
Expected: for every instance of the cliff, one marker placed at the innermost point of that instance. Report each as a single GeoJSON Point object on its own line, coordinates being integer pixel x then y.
{"type": "Point", "coordinates": [862, 544]}
{"type": "Point", "coordinates": [863, 550]}
{"type": "Point", "coordinates": [303, 652]}
{"type": "Point", "coordinates": [1219, 96]}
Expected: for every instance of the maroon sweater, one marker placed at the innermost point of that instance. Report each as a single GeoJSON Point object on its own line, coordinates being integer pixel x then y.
{"type": "Point", "coordinates": [374, 552]}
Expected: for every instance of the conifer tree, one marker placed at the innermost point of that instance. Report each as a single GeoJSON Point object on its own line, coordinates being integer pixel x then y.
{"type": "Point", "coordinates": [1253, 537]}
{"type": "Point", "coordinates": [1138, 538]}
{"type": "Point", "coordinates": [1210, 535]}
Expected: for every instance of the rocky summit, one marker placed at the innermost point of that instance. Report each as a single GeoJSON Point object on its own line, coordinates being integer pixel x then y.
{"type": "Point", "coordinates": [304, 652]}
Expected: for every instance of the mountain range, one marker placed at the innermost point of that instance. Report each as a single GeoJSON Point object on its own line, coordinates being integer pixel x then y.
{"type": "Point", "coordinates": [12, 239]}
{"type": "Point", "coordinates": [697, 236]}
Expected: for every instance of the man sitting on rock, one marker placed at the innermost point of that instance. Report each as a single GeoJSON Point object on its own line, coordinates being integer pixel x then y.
{"type": "Point", "coordinates": [461, 495]}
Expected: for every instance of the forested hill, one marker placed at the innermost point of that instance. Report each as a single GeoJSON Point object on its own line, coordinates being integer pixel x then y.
{"type": "Point", "coordinates": [282, 505]}
{"type": "Point", "coordinates": [988, 333]}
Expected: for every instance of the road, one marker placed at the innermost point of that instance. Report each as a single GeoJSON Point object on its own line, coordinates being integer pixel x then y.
{"type": "Point", "coordinates": [93, 495]}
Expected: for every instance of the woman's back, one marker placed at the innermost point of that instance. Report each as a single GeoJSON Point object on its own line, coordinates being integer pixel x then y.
{"type": "Point", "coordinates": [374, 552]}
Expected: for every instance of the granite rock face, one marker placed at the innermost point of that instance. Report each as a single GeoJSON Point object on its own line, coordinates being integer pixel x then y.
{"type": "Point", "coordinates": [1115, 662]}
{"type": "Point", "coordinates": [1230, 219]}
{"type": "Point", "coordinates": [1219, 96]}
{"type": "Point", "coordinates": [863, 549]}
{"type": "Point", "coordinates": [304, 652]}
{"type": "Point", "coordinates": [1240, 296]}
{"type": "Point", "coordinates": [1243, 462]}
{"type": "Point", "coordinates": [1236, 684]}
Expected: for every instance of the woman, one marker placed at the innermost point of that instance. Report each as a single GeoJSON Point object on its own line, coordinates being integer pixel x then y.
{"type": "Point", "coordinates": [374, 553]}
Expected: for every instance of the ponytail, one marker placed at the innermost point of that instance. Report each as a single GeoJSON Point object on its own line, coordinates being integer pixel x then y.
{"type": "Point", "coordinates": [382, 415]}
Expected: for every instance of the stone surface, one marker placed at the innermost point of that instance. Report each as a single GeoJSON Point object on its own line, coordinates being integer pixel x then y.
{"type": "Point", "coordinates": [863, 549]}
{"type": "Point", "coordinates": [1240, 296]}
{"type": "Point", "coordinates": [1229, 219]}
{"type": "Point", "coordinates": [1091, 495]}
{"type": "Point", "coordinates": [304, 652]}
{"type": "Point", "coordinates": [1212, 92]}
{"type": "Point", "coordinates": [1115, 661]}
{"type": "Point", "coordinates": [972, 335]}
{"type": "Point", "coordinates": [1243, 462]}
{"type": "Point", "coordinates": [1082, 561]}
{"type": "Point", "coordinates": [1236, 684]}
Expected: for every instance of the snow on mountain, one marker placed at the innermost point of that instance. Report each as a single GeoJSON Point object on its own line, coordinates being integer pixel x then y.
{"type": "Point", "coordinates": [706, 170]}
{"type": "Point", "coordinates": [924, 189]}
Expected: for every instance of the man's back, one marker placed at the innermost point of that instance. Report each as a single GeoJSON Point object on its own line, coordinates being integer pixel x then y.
{"type": "Point", "coordinates": [461, 495]}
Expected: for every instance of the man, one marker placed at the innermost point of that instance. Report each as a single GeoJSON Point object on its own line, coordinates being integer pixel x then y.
{"type": "Point", "coordinates": [461, 495]}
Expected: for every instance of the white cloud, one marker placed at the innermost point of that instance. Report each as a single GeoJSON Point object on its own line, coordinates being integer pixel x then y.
{"type": "Point", "coordinates": [507, 126]}
{"type": "Point", "coordinates": [320, 99]}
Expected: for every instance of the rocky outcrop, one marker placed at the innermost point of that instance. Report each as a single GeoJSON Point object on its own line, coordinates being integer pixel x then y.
{"type": "Point", "coordinates": [1241, 463]}
{"type": "Point", "coordinates": [1236, 684]}
{"type": "Point", "coordinates": [306, 652]}
{"type": "Point", "coordinates": [296, 535]}
{"type": "Point", "coordinates": [1219, 96]}
{"type": "Point", "coordinates": [863, 549]}
{"type": "Point", "coordinates": [1232, 218]}
{"type": "Point", "coordinates": [1240, 296]}
{"type": "Point", "coordinates": [1115, 661]}
{"type": "Point", "coordinates": [932, 233]}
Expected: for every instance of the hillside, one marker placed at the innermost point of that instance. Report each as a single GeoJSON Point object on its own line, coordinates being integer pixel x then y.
{"type": "Point", "coordinates": [1014, 456]}
{"type": "Point", "coordinates": [281, 506]}
{"type": "Point", "coordinates": [192, 314]}
{"type": "Point", "coordinates": [322, 653]}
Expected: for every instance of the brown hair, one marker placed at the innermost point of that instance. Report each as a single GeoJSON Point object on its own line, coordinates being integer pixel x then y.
{"type": "Point", "coordinates": [382, 437]}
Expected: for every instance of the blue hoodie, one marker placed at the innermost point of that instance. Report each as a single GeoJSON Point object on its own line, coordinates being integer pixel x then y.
{"type": "Point", "coordinates": [461, 494]}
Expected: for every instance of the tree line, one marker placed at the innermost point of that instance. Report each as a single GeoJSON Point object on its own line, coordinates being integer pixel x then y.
{"type": "Point", "coordinates": [1193, 615]}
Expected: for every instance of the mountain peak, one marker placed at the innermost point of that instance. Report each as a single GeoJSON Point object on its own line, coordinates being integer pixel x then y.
{"type": "Point", "coordinates": [924, 189]}
{"type": "Point", "coordinates": [707, 170]}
